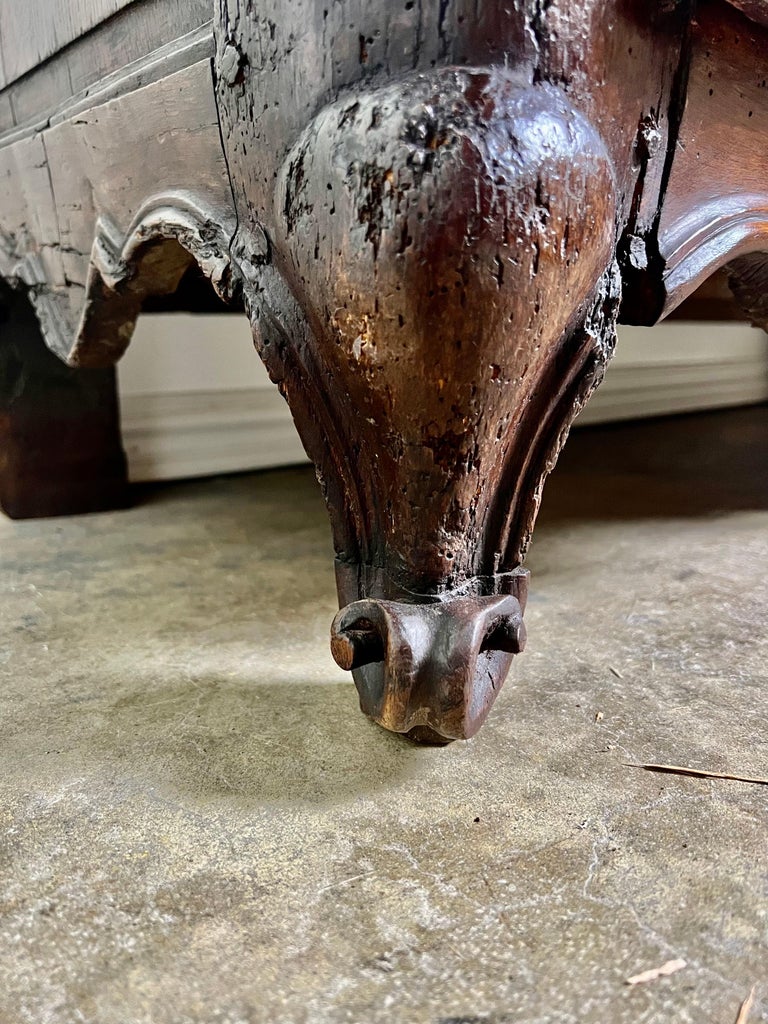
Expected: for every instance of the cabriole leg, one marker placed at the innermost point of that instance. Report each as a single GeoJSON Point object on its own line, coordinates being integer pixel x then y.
{"type": "Point", "coordinates": [431, 280]}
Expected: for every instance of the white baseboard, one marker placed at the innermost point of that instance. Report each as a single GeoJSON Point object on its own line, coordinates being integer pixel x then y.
{"type": "Point", "coordinates": [196, 400]}
{"type": "Point", "coordinates": [681, 367]}
{"type": "Point", "coordinates": [175, 435]}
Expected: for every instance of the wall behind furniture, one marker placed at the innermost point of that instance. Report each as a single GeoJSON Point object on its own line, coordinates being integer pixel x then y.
{"type": "Point", "coordinates": [196, 399]}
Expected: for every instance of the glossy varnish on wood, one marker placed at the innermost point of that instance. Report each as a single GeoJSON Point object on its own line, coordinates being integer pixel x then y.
{"type": "Point", "coordinates": [434, 214]}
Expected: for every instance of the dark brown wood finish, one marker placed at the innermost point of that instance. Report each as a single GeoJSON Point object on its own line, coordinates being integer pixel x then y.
{"type": "Point", "coordinates": [60, 448]}
{"type": "Point", "coordinates": [433, 212]}
{"type": "Point", "coordinates": [715, 200]}
{"type": "Point", "coordinates": [428, 258]}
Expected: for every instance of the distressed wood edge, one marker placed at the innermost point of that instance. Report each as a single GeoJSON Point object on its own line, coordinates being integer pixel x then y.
{"type": "Point", "coordinates": [713, 241]}
{"type": "Point", "coordinates": [714, 211]}
{"type": "Point", "coordinates": [148, 259]}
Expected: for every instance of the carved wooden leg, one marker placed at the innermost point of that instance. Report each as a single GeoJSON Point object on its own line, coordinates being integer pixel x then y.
{"type": "Point", "coordinates": [436, 300]}
{"type": "Point", "coordinates": [60, 448]}
{"type": "Point", "coordinates": [460, 331]}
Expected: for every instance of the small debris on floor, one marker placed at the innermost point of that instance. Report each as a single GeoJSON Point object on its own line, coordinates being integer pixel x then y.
{"type": "Point", "coordinates": [598, 716]}
{"type": "Point", "coordinates": [697, 773]}
{"type": "Point", "coordinates": [670, 967]}
{"type": "Point", "coordinates": [616, 672]}
{"type": "Point", "coordinates": [746, 1007]}
{"type": "Point", "coordinates": [344, 881]}
{"type": "Point", "coordinates": [383, 963]}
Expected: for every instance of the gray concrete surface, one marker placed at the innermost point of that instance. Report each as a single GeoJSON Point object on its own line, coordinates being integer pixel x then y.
{"type": "Point", "coordinates": [197, 824]}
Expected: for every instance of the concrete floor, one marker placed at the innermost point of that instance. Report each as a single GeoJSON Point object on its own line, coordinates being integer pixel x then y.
{"type": "Point", "coordinates": [197, 824]}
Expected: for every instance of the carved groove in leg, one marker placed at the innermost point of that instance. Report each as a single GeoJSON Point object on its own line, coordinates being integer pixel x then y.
{"type": "Point", "coordinates": [748, 280]}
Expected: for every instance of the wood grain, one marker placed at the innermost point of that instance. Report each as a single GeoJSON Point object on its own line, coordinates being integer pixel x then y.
{"type": "Point", "coordinates": [135, 41]}
{"type": "Point", "coordinates": [74, 194]}
{"type": "Point", "coordinates": [32, 31]}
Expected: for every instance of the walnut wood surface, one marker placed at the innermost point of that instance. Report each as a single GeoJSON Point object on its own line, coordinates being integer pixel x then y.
{"type": "Point", "coordinates": [428, 257]}
{"type": "Point", "coordinates": [433, 213]}
{"type": "Point", "coordinates": [716, 201]}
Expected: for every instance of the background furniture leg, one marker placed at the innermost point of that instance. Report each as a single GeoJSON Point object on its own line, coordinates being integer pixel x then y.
{"type": "Point", "coordinates": [60, 447]}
